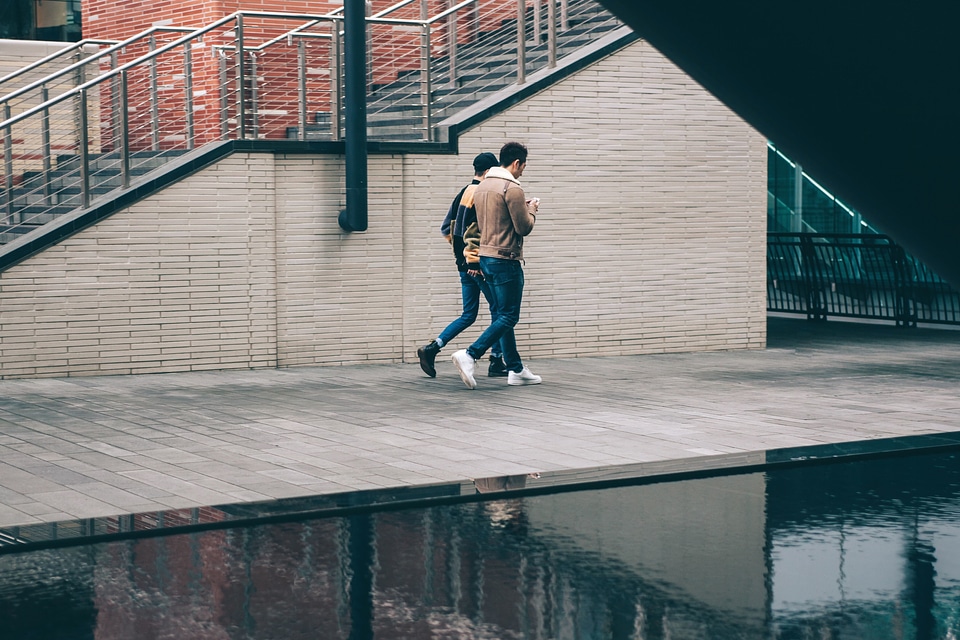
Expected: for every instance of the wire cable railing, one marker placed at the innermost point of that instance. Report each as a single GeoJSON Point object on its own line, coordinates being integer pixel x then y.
{"type": "Point", "coordinates": [104, 133]}
{"type": "Point", "coordinates": [85, 67]}
{"type": "Point", "coordinates": [137, 105]}
{"type": "Point", "coordinates": [50, 64]}
{"type": "Point", "coordinates": [443, 63]}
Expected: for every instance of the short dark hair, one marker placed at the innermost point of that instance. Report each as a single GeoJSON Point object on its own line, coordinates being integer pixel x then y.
{"type": "Point", "coordinates": [511, 152]}
{"type": "Point", "coordinates": [483, 162]}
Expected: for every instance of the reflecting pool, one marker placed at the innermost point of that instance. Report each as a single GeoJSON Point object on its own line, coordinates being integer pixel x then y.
{"type": "Point", "coordinates": [855, 550]}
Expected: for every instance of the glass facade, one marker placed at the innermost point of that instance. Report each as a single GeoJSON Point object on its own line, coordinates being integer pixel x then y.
{"type": "Point", "coordinates": [56, 20]}
{"type": "Point", "coordinates": [796, 203]}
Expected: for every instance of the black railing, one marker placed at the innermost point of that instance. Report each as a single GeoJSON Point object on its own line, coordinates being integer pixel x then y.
{"type": "Point", "coordinates": [857, 276]}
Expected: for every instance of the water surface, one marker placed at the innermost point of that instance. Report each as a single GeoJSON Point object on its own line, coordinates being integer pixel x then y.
{"type": "Point", "coordinates": [858, 550]}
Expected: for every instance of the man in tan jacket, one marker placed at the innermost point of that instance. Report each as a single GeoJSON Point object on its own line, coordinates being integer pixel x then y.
{"type": "Point", "coordinates": [505, 216]}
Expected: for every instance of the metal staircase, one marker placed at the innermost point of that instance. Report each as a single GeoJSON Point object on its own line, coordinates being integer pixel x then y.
{"type": "Point", "coordinates": [128, 111]}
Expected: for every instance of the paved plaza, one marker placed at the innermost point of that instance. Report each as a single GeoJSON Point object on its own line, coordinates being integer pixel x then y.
{"type": "Point", "coordinates": [101, 446]}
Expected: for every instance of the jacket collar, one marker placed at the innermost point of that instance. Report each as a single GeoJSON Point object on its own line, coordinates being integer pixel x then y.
{"type": "Point", "coordinates": [500, 172]}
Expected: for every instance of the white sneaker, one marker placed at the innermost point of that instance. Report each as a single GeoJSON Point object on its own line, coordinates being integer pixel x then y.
{"type": "Point", "coordinates": [524, 377]}
{"type": "Point", "coordinates": [465, 365]}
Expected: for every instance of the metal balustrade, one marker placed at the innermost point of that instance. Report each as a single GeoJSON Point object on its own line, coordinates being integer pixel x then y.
{"type": "Point", "coordinates": [85, 67]}
{"type": "Point", "coordinates": [855, 275]}
{"type": "Point", "coordinates": [51, 64]}
{"type": "Point", "coordinates": [102, 123]}
{"type": "Point", "coordinates": [128, 120]}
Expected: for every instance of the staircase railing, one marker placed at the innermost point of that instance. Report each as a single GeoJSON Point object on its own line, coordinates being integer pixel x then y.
{"type": "Point", "coordinates": [264, 75]}
{"type": "Point", "coordinates": [78, 72]}
{"type": "Point", "coordinates": [101, 134]}
{"type": "Point", "coordinates": [454, 58]}
{"type": "Point", "coordinates": [855, 275]}
{"type": "Point", "coordinates": [48, 64]}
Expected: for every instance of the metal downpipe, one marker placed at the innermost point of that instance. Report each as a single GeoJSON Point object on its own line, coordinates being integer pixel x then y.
{"type": "Point", "coordinates": [354, 217]}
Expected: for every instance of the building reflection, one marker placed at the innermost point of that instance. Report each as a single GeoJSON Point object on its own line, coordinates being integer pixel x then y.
{"type": "Point", "coordinates": [836, 551]}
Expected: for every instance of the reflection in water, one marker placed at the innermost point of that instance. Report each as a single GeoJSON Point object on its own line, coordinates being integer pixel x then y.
{"type": "Point", "coordinates": [856, 550]}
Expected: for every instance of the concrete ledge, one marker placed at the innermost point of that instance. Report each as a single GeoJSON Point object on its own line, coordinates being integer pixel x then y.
{"type": "Point", "coordinates": [178, 521]}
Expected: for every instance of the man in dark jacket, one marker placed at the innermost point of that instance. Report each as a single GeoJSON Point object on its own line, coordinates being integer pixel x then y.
{"type": "Point", "coordinates": [460, 217]}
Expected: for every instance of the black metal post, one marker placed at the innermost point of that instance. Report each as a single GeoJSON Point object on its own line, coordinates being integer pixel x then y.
{"type": "Point", "coordinates": [354, 217]}
{"type": "Point", "coordinates": [362, 559]}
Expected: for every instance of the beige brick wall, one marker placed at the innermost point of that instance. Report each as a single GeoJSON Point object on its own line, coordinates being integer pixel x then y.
{"type": "Point", "coordinates": [651, 239]}
{"type": "Point", "coordinates": [182, 281]}
{"type": "Point", "coordinates": [652, 228]}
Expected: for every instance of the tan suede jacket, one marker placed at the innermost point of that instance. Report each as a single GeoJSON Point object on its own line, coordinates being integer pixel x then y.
{"type": "Point", "coordinates": [503, 215]}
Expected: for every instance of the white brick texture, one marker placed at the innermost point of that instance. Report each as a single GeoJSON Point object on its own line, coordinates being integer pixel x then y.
{"type": "Point", "coordinates": [650, 239]}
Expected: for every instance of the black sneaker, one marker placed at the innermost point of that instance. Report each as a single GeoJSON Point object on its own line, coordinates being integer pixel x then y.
{"type": "Point", "coordinates": [428, 355]}
{"type": "Point", "coordinates": [497, 369]}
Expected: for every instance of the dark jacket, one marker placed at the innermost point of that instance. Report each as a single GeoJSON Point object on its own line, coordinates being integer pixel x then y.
{"type": "Point", "coordinates": [459, 217]}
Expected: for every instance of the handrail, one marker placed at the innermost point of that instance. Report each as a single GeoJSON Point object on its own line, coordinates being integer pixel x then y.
{"type": "Point", "coordinates": [853, 214]}
{"type": "Point", "coordinates": [333, 15]}
{"type": "Point", "coordinates": [53, 56]}
{"type": "Point", "coordinates": [115, 72]}
{"type": "Point", "coordinates": [293, 33]}
{"type": "Point", "coordinates": [389, 10]}
{"type": "Point", "coordinates": [153, 54]}
{"type": "Point", "coordinates": [451, 10]}
{"type": "Point", "coordinates": [410, 22]}
{"type": "Point", "coordinates": [254, 96]}
{"type": "Point", "coordinates": [88, 60]}
{"type": "Point", "coordinates": [195, 33]}
{"type": "Point", "coordinates": [862, 275]}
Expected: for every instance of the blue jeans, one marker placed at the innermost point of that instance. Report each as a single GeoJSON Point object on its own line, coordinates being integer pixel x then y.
{"type": "Point", "coordinates": [471, 288]}
{"type": "Point", "coordinates": [506, 282]}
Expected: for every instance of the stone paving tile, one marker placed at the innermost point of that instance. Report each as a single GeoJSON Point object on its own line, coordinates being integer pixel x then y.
{"type": "Point", "coordinates": [245, 495]}
{"type": "Point", "coordinates": [37, 509]}
{"type": "Point", "coordinates": [147, 492]}
{"type": "Point", "coordinates": [174, 456]}
{"type": "Point", "coordinates": [56, 473]}
{"type": "Point", "coordinates": [75, 503]}
{"type": "Point", "coordinates": [16, 516]}
{"type": "Point", "coordinates": [109, 494]}
{"type": "Point", "coordinates": [186, 440]}
{"type": "Point", "coordinates": [12, 498]}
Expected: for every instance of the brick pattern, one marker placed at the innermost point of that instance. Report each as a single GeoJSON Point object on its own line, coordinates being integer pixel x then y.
{"type": "Point", "coordinates": [395, 48]}
{"type": "Point", "coordinates": [651, 239]}
{"type": "Point", "coordinates": [652, 231]}
{"type": "Point", "coordinates": [183, 281]}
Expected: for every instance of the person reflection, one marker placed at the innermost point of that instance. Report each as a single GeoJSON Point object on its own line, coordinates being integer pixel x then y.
{"type": "Point", "coordinates": [503, 513]}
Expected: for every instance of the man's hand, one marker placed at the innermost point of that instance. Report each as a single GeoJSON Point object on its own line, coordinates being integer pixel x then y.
{"type": "Point", "coordinates": [475, 273]}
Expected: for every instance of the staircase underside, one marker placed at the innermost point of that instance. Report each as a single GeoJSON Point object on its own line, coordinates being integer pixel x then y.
{"type": "Point", "coordinates": [864, 95]}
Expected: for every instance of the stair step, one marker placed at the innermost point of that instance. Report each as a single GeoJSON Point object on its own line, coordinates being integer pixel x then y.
{"type": "Point", "coordinates": [38, 215]}
{"type": "Point", "coordinates": [100, 162]}
{"type": "Point", "coordinates": [9, 233]}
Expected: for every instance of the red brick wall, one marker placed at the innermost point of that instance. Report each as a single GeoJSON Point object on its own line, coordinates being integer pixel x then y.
{"type": "Point", "coordinates": [394, 50]}
{"type": "Point", "coordinates": [119, 19]}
